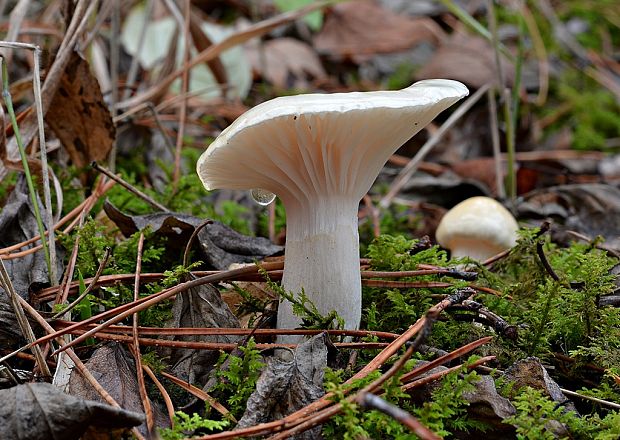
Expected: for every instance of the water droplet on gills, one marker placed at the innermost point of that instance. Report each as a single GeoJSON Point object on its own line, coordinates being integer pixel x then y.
{"type": "Point", "coordinates": [262, 196]}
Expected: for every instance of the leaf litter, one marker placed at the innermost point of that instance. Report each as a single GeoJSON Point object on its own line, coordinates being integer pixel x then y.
{"type": "Point", "coordinates": [360, 45]}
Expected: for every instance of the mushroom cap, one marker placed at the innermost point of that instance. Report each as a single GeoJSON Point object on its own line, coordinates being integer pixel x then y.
{"type": "Point", "coordinates": [478, 227]}
{"type": "Point", "coordinates": [321, 144]}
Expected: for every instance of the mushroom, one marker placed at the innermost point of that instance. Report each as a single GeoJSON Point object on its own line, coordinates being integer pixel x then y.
{"type": "Point", "coordinates": [478, 227]}
{"type": "Point", "coordinates": [320, 153]}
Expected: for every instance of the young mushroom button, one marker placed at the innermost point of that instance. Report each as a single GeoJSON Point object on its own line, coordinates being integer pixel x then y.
{"type": "Point", "coordinates": [320, 153]}
{"type": "Point", "coordinates": [478, 227]}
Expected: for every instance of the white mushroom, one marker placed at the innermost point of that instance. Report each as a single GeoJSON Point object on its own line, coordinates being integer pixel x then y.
{"type": "Point", "coordinates": [320, 153]}
{"type": "Point", "coordinates": [478, 227]}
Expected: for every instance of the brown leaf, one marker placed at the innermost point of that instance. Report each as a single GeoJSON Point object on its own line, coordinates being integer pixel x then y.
{"type": "Point", "coordinates": [286, 62]}
{"type": "Point", "coordinates": [115, 370]}
{"type": "Point", "coordinates": [41, 411]}
{"type": "Point", "coordinates": [467, 59]}
{"type": "Point", "coordinates": [199, 307]}
{"type": "Point", "coordinates": [590, 209]}
{"type": "Point", "coordinates": [363, 28]}
{"type": "Point", "coordinates": [220, 244]}
{"type": "Point", "coordinates": [79, 116]}
{"type": "Point", "coordinates": [288, 385]}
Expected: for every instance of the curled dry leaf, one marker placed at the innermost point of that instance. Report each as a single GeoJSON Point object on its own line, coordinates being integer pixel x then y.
{"type": "Point", "coordinates": [17, 224]}
{"type": "Point", "coordinates": [79, 116]}
{"type": "Point", "coordinates": [221, 245]}
{"type": "Point", "coordinates": [288, 385]}
{"type": "Point", "coordinates": [363, 28]}
{"type": "Point", "coordinates": [286, 62]}
{"type": "Point", "coordinates": [40, 411]}
{"type": "Point", "coordinates": [468, 59]}
{"type": "Point", "coordinates": [591, 209]}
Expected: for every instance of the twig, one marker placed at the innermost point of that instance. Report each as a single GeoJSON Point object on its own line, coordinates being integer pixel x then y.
{"type": "Point", "coordinates": [406, 173]}
{"type": "Point", "coordinates": [47, 198]}
{"type": "Point", "coordinates": [89, 288]}
{"type": "Point", "coordinates": [543, 259]}
{"type": "Point", "coordinates": [15, 20]}
{"type": "Point", "coordinates": [424, 326]}
{"type": "Point", "coordinates": [130, 187]}
{"type": "Point", "coordinates": [79, 20]}
{"type": "Point", "coordinates": [121, 312]}
{"type": "Point", "coordinates": [76, 360]}
{"type": "Point", "coordinates": [417, 371]}
{"type": "Point", "coordinates": [135, 346]}
{"type": "Point", "coordinates": [63, 289]}
{"type": "Point", "coordinates": [24, 325]}
{"type": "Point", "coordinates": [373, 213]}
{"type": "Point", "coordinates": [194, 331]}
{"type": "Point", "coordinates": [95, 196]}
{"type": "Point", "coordinates": [499, 324]}
{"type": "Point", "coordinates": [369, 400]}
{"type": "Point", "coordinates": [202, 395]}
{"type": "Point", "coordinates": [433, 377]}
{"type": "Point", "coordinates": [22, 152]}
{"type": "Point", "coordinates": [192, 237]}
{"type": "Point", "coordinates": [218, 346]}
{"type": "Point", "coordinates": [163, 392]}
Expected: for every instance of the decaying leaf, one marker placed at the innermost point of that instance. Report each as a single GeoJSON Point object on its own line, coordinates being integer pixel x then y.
{"type": "Point", "coordinates": [485, 404]}
{"type": "Point", "coordinates": [79, 116]}
{"type": "Point", "coordinates": [286, 62]}
{"type": "Point", "coordinates": [529, 372]}
{"type": "Point", "coordinates": [41, 411]}
{"type": "Point", "coordinates": [591, 209]}
{"type": "Point", "coordinates": [362, 28]}
{"type": "Point", "coordinates": [115, 370]}
{"type": "Point", "coordinates": [288, 385]}
{"type": "Point", "coordinates": [17, 224]}
{"type": "Point", "coordinates": [221, 246]}
{"type": "Point", "coordinates": [199, 307]}
{"type": "Point", "coordinates": [468, 59]}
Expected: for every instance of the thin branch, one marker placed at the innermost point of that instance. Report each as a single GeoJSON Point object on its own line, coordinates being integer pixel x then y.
{"type": "Point", "coordinates": [24, 324]}
{"type": "Point", "coordinates": [89, 288]}
{"type": "Point", "coordinates": [163, 392]}
{"type": "Point", "coordinates": [135, 346]}
{"type": "Point", "coordinates": [371, 401]}
{"type": "Point", "coordinates": [132, 189]}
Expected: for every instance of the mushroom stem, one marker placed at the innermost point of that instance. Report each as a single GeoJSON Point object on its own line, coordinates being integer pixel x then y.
{"type": "Point", "coordinates": [322, 258]}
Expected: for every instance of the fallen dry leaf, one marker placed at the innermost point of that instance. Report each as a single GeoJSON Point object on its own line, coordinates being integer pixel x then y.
{"type": "Point", "coordinates": [199, 307]}
{"type": "Point", "coordinates": [590, 209]}
{"type": "Point", "coordinates": [36, 411]}
{"type": "Point", "coordinates": [115, 370]}
{"type": "Point", "coordinates": [363, 28]}
{"type": "Point", "coordinates": [468, 59]}
{"type": "Point", "coordinates": [286, 62]}
{"type": "Point", "coordinates": [288, 385]}
{"type": "Point", "coordinates": [221, 245]}
{"type": "Point", "coordinates": [79, 116]}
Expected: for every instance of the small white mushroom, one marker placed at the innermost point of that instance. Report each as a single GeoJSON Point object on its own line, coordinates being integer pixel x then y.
{"type": "Point", "coordinates": [320, 153]}
{"type": "Point", "coordinates": [478, 227]}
